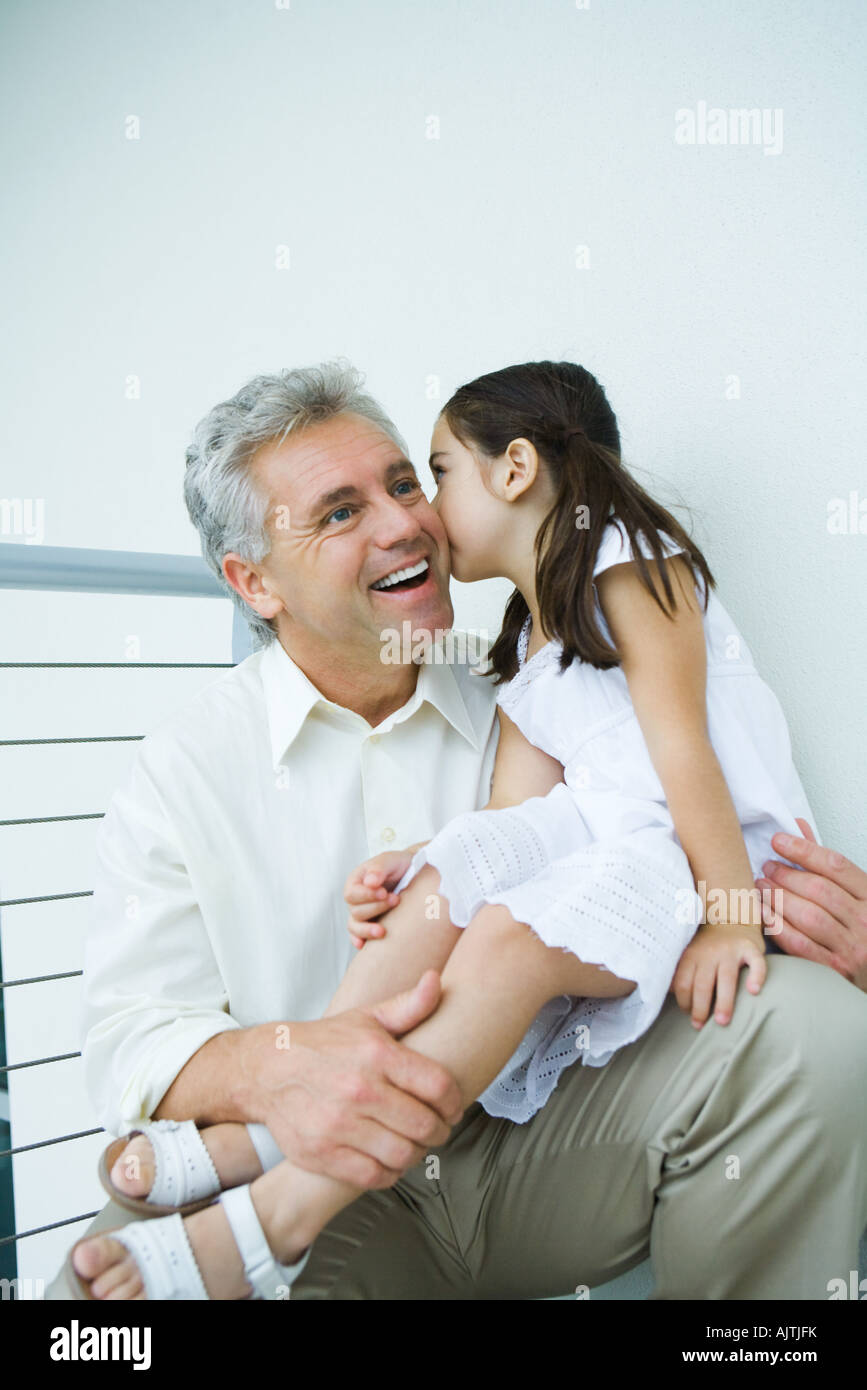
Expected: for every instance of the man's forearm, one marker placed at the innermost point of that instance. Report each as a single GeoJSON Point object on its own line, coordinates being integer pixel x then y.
{"type": "Point", "coordinates": [218, 1082]}
{"type": "Point", "coordinates": [346, 1099]}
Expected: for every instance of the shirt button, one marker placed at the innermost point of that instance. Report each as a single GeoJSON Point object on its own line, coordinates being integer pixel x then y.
{"type": "Point", "coordinates": [387, 835]}
{"type": "Point", "coordinates": [374, 738]}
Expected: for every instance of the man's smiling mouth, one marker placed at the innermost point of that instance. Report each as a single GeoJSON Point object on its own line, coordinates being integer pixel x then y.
{"type": "Point", "coordinates": [412, 577]}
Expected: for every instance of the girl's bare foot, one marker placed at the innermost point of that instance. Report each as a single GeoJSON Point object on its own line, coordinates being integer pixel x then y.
{"type": "Point", "coordinates": [229, 1145]}
{"type": "Point", "coordinates": [291, 1213]}
{"type": "Point", "coordinates": [114, 1273]}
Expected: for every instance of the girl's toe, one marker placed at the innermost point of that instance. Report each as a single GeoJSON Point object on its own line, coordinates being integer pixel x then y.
{"type": "Point", "coordinates": [95, 1255]}
{"type": "Point", "coordinates": [97, 1258]}
{"type": "Point", "coordinates": [133, 1171]}
{"type": "Point", "coordinates": [123, 1271]}
{"type": "Point", "coordinates": [128, 1289]}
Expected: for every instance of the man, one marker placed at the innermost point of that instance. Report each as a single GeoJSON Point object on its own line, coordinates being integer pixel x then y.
{"type": "Point", "coordinates": [219, 922]}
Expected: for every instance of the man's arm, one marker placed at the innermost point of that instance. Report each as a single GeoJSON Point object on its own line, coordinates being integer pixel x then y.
{"type": "Point", "coordinates": [822, 915]}
{"type": "Point", "coordinates": [159, 1040]}
{"type": "Point", "coordinates": [340, 1095]}
{"type": "Point", "coordinates": [153, 992]}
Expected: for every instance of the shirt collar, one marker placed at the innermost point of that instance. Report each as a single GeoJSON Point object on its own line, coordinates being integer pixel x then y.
{"type": "Point", "coordinates": [438, 685]}
{"type": "Point", "coordinates": [290, 696]}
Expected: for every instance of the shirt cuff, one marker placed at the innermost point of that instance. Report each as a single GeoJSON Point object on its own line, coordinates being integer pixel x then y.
{"type": "Point", "coordinates": [160, 1067]}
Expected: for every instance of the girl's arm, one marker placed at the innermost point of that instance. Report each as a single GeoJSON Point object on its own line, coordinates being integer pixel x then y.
{"type": "Point", "coordinates": [665, 663]}
{"type": "Point", "coordinates": [521, 770]}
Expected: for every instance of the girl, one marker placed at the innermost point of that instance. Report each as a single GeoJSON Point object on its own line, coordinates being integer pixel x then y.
{"type": "Point", "coordinates": [639, 751]}
{"type": "Point", "coordinates": [676, 756]}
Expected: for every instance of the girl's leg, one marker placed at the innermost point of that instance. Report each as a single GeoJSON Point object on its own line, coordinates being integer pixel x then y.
{"type": "Point", "coordinates": [419, 937]}
{"type": "Point", "coordinates": [495, 964]}
{"type": "Point", "coordinates": [495, 980]}
{"type": "Point", "coordinates": [493, 985]}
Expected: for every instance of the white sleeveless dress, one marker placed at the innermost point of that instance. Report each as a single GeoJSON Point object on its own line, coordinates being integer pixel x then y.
{"type": "Point", "coordinates": [596, 866]}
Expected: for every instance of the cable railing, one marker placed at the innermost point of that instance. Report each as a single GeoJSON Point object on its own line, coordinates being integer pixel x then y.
{"type": "Point", "coordinates": [33, 568]}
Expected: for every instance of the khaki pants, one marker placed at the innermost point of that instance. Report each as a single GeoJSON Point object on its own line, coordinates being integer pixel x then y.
{"type": "Point", "coordinates": [735, 1156]}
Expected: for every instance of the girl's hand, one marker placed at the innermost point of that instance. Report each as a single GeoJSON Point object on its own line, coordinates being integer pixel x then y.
{"type": "Point", "coordinates": [712, 964]}
{"type": "Point", "coordinates": [369, 891]}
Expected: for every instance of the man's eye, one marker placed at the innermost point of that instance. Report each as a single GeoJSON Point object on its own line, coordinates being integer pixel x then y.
{"type": "Point", "coordinates": [336, 513]}
{"type": "Point", "coordinates": [413, 483]}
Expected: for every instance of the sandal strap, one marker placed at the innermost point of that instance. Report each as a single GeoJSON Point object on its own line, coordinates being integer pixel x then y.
{"type": "Point", "coordinates": [269, 1279]}
{"type": "Point", "coordinates": [266, 1146]}
{"type": "Point", "coordinates": [184, 1170]}
{"type": "Point", "coordinates": [165, 1258]}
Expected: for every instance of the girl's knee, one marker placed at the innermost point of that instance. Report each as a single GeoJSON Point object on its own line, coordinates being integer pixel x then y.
{"type": "Point", "coordinates": [496, 921]}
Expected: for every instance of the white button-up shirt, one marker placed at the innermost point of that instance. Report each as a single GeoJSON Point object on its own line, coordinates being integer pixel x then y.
{"type": "Point", "coordinates": [218, 901]}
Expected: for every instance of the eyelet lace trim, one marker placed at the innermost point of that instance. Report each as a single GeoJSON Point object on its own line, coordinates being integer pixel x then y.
{"type": "Point", "coordinates": [544, 659]}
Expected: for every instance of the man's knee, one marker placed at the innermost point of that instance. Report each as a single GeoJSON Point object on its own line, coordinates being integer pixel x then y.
{"type": "Point", "coordinates": [809, 1000]}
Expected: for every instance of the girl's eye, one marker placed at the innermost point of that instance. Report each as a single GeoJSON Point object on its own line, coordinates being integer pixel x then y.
{"type": "Point", "coordinates": [435, 469]}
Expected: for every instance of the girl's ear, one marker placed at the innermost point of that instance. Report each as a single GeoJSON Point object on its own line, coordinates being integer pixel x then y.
{"type": "Point", "coordinates": [516, 470]}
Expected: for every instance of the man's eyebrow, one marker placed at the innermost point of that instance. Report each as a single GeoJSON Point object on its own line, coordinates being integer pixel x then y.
{"type": "Point", "coordinates": [348, 491]}
{"type": "Point", "coordinates": [399, 466]}
{"type": "Point", "coordinates": [337, 494]}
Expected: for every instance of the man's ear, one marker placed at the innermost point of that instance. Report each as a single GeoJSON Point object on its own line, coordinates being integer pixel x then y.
{"type": "Point", "coordinates": [249, 582]}
{"type": "Point", "coordinates": [516, 471]}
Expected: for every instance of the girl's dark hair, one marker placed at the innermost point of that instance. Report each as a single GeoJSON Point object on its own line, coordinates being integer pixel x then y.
{"type": "Point", "coordinates": [542, 402]}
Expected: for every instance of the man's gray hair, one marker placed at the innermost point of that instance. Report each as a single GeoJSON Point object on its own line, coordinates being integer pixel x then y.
{"type": "Point", "coordinates": [225, 506]}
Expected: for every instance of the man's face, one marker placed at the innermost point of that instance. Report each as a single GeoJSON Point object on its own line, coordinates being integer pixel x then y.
{"type": "Point", "coordinates": [346, 510]}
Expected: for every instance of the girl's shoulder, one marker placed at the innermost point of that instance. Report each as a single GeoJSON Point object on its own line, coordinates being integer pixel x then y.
{"type": "Point", "coordinates": [615, 548]}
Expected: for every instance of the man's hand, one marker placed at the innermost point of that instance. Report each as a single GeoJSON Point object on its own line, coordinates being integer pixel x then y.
{"type": "Point", "coordinates": [823, 913]}
{"type": "Point", "coordinates": [341, 1096]}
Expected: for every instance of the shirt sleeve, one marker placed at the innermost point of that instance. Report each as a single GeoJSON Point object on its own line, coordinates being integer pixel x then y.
{"type": "Point", "coordinates": [153, 993]}
{"type": "Point", "coordinates": [615, 547]}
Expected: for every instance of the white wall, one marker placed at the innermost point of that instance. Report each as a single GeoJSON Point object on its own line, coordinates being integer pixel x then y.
{"type": "Point", "coordinates": [431, 260]}
{"type": "Point", "coordinates": [306, 126]}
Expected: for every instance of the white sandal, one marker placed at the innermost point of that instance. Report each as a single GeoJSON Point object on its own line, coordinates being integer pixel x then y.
{"type": "Point", "coordinates": [185, 1178]}
{"type": "Point", "coordinates": [167, 1265]}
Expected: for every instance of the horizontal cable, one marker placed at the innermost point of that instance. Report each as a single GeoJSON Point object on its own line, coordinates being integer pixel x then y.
{"type": "Point", "coordinates": [39, 979]}
{"type": "Point", "coordinates": [50, 820]}
{"type": "Point", "coordinates": [46, 1143]}
{"type": "Point", "coordinates": [40, 1061]}
{"type": "Point", "coordinates": [115, 665]}
{"type": "Point", "coordinates": [49, 898]}
{"type": "Point", "coordinates": [38, 1230]}
{"type": "Point", "coordinates": [102, 738]}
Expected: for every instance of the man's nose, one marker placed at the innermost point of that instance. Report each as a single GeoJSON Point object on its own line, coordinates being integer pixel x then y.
{"type": "Point", "coordinates": [395, 521]}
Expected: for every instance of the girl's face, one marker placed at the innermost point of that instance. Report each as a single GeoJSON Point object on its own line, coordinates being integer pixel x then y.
{"type": "Point", "coordinates": [474, 518]}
